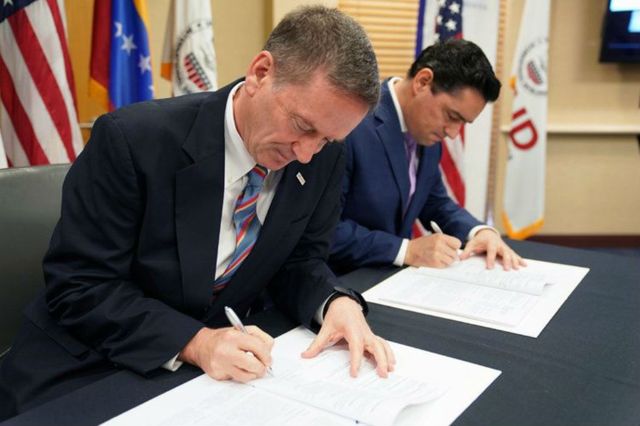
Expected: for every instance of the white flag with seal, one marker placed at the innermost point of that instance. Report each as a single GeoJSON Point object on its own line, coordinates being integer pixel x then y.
{"type": "Point", "coordinates": [524, 190]}
{"type": "Point", "coordinates": [189, 58]}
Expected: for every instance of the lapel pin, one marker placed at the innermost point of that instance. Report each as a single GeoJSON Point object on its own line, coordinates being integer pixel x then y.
{"type": "Point", "coordinates": [300, 178]}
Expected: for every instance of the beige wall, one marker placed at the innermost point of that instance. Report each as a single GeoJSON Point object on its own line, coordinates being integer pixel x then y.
{"type": "Point", "coordinates": [593, 175]}
{"type": "Point", "coordinates": [282, 7]}
{"type": "Point", "coordinates": [593, 178]}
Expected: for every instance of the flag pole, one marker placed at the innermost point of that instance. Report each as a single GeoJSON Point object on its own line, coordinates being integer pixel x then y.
{"type": "Point", "coordinates": [495, 121]}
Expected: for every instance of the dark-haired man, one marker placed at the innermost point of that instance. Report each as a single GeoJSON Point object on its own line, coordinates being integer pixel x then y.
{"type": "Point", "coordinates": [177, 208]}
{"type": "Point", "coordinates": [392, 173]}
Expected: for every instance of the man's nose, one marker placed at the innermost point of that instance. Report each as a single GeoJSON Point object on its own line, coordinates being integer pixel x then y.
{"type": "Point", "coordinates": [306, 148]}
{"type": "Point", "coordinates": [452, 130]}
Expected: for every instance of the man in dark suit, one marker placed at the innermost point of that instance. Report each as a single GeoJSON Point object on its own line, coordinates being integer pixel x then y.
{"type": "Point", "coordinates": [392, 173]}
{"type": "Point", "coordinates": [147, 251]}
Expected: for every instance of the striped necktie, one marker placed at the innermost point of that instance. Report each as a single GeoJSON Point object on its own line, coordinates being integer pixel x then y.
{"type": "Point", "coordinates": [246, 223]}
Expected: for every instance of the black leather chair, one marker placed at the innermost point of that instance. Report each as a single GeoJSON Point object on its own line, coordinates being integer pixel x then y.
{"type": "Point", "coordinates": [29, 210]}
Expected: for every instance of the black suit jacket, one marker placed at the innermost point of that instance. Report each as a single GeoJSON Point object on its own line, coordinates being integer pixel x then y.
{"type": "Point", "coordinates": [132, 260]}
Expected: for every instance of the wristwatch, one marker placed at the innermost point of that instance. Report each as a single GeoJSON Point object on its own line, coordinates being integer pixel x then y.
{"type": "Point", "coordinates": [351, 294]}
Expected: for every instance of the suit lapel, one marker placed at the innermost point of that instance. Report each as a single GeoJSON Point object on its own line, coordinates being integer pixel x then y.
{"type": "Point", "coordinates": [198, 206]}
{"type": "Point", "coordinates": [390, 134]}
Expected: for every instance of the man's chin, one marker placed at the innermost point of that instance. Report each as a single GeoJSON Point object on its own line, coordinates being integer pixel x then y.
{"type": "Point", "coordinates": [276, 162]}
{"type": "Point", "coordinates": [430, 142]}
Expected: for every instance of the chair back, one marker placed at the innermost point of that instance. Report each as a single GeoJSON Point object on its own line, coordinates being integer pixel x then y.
{"type": "Point", "coordinates": [29, 210]}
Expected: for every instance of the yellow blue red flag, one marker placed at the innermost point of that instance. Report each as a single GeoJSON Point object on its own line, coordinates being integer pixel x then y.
{"type": "Point", "coordinates": [120, 57]}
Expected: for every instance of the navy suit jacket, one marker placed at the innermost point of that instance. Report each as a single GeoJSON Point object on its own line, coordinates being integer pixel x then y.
{"type": "Point", "coordinates": [131, 263]}
{"type": "Point", "coordinates": [376, 212]}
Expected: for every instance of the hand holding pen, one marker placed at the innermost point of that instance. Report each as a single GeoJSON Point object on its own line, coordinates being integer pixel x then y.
{"type": "Point", "coordinates": [437, 251]}
{"type": "Point", "coordinates": [222, 352]}
{"type": "Point", "coordinates": [236, 322]}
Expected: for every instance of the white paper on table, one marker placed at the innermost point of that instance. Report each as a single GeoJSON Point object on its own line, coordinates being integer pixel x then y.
{"type": "Point", "coordinates": [518, 301]}
{"type": "Point", "coordinates": [440, 389]}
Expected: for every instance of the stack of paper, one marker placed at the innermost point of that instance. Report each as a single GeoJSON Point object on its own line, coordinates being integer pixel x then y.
{"type": "Point", "coordinates": [520, 301]}
{"type": "Point", "coordinates": [426, 388]}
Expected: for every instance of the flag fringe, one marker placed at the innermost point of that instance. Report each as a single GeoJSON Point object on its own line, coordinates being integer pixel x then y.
{"type": "Point", "coordinates": [523, 233]}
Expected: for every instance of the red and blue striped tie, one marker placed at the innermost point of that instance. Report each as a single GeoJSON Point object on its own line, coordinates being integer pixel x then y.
{"type": "Point", "coordinates": [246, 223]}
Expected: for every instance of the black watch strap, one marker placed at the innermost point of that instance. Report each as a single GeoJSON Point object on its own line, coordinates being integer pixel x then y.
{"type": "Point", "coordinates": [350, 293]}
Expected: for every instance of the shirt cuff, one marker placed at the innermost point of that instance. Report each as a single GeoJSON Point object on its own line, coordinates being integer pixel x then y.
{"type": "Point", "coordinates": [479, 228]}
{"type": "Point", "coordinates": [399, 260]}
{"type": "Point", "coordinates": [173, 364]}
{"type": "Point", "coordinates": [318, 316]}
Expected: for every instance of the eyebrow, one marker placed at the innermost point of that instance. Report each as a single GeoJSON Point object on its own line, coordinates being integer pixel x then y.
{"type": "Point", "coordinates": [307, 123]}
{"type": "Point", "coordinates": [461, 117]}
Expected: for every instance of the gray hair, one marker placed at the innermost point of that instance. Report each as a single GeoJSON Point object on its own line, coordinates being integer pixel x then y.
{"type": "Point", "coordinates": [315, 38]}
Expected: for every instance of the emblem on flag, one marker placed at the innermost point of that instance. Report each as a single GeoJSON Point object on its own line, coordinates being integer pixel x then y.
{"type": "Point", "coordinates": [196, 61]}
{"type": "Point", "coordinates": [189, 58]}
{"type": "Point", "coordinates": [532, 67]}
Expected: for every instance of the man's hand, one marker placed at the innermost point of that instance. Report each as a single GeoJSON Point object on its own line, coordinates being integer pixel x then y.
{"type": "Point", "coordinates": [436, 251]}
{"type": "Point", "coordinates": [344, 320]}
{"type": "Point", "coordinates": [490, 242]}
{"type": "Point", "coordinates": [226, 353]}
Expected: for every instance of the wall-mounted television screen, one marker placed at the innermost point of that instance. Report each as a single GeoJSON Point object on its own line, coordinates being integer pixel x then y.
{"type": "Point", "coordinates": [621, 32]}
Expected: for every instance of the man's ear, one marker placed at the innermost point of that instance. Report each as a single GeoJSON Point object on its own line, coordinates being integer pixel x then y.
{"type": "Point", "coordinates": [261, 68]}
{"type": "Point", "coordinates": [422, 80]}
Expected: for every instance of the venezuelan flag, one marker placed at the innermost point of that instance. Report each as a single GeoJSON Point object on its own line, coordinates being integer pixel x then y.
{"type": "Point", "coordinates": [120, 71]}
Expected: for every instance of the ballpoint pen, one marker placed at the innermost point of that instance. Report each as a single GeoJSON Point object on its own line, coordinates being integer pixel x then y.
{"type": "Point", "coordinates": [436, 228]}
{"type": "Point", "coordinates": [238, 325]}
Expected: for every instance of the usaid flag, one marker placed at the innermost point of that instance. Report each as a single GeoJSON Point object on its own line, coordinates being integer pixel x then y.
{"type": "Point", "coordinates": [527, 142]}
{"type": "Point", "coordinates": [189, 59]}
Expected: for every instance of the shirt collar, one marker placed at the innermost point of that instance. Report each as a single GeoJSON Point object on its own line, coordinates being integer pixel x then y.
{"type": "Point", "coordinates": [391, 83]}
{"type": "Point", "coordinates": [238, 162]}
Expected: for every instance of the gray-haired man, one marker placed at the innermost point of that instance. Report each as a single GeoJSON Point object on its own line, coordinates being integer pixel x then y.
{"type": "Point", "coordinates": [150, 247]}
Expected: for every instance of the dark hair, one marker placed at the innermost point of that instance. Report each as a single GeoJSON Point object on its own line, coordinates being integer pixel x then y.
{"type": "Point", "coordinates": [458, 63]}
{"type": "Point", "coordinates": [318, 38]}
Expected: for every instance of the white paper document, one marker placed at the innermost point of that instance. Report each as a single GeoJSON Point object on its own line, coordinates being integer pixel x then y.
{"type": "Point", "coordinates": [426, 388]}
{"type": "Point", "coordinates": [520, 301]}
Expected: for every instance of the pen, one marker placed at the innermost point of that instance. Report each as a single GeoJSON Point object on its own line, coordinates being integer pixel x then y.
{"type": "Point", "coordinates": [436, 228]}
{"type": "Point", "coordinates": [238, 325]}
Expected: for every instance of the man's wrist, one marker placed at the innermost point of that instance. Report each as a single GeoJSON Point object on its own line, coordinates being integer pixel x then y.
{"type": "Point", "coordinates": [476, 229]}
{"type": "Point", "coordinates": [346, 292]}
{"type": "Point", "coordinates": [188, 353]}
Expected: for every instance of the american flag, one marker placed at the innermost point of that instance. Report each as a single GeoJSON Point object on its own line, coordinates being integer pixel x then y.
{"type": "Point", "coordinates": [38, 116]}
{"type": "Point", "coordinates": [449, 25]}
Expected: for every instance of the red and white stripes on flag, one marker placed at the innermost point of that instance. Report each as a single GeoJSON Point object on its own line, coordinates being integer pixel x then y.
{"type": "Point", "coordinates": [38, 117]}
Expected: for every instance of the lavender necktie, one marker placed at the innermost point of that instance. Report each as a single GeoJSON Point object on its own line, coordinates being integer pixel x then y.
{"type": "Point", "coordinates": [410, 146]}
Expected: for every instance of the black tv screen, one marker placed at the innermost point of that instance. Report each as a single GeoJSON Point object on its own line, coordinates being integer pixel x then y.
{"type": "Point", "coordinates": [621, 32]}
